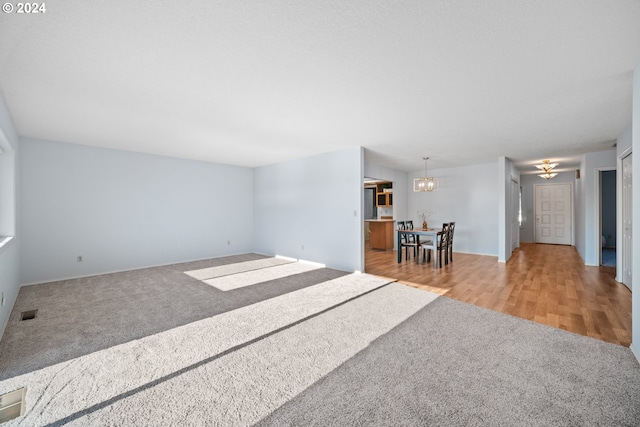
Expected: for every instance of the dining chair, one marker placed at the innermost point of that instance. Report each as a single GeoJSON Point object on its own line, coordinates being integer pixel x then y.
{"type": "Point", "coordinates": [442, 245]}
{"type": "Point", "coordinates": [407, 240]}
{"type": "Point", "coordinates": [452, 227]}
{"type": "Point", "coordinates": [413, 240]}
{"type": "Point", "coordinates": [400, 225]}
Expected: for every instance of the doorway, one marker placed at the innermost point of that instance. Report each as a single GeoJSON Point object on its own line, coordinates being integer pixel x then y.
{"type": "Point", "coordinates": [608, 214]}
{"type": "Point", "coordinates": [378, 208]}
{"type": "Point", "coordinates": [554, 213]}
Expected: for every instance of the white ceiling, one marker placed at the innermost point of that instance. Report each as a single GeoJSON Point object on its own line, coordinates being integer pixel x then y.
{"type": "Point", "coordinates": [256, 82]}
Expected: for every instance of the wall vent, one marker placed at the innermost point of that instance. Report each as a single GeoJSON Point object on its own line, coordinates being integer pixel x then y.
{"type": "Point", "coordinates": [12, 404]}
{"type": "Point", "coordinates": [28, 315]}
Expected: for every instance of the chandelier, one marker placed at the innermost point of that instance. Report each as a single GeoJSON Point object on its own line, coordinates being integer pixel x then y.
{"type": "Point", "coordinates": [547, 166]}
{"type": "Point", "coordinates": [425, 183]}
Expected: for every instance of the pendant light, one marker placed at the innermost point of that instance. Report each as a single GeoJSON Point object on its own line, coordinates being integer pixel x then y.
{"type": "Point", "coordinates": [425, 183]}
{"type": "Point", "coordinates": [547, 166]}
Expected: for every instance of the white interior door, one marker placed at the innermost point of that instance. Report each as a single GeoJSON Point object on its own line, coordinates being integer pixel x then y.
{"type": "Point", "coordinates": [554, 220]}
{"type": "Point", "coordinates": [627, 214]}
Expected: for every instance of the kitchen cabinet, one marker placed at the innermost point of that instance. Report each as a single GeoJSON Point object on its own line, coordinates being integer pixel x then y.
{"type": "Point", "coordinates": [381, 234]}
{"type": "Point", "coordinates": [384, 199]}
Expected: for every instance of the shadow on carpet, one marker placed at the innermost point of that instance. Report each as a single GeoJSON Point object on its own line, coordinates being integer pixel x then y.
{"type": "Point", "coordinates": [456, 364]}
{"type": "Point", "coordinates": [81, 316]}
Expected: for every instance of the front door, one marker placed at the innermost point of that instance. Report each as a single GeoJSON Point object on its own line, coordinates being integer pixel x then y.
{"type": "Point", "coordinates": [553, 213]}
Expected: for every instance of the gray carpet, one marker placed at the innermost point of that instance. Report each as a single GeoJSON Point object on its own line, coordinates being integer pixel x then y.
{"type": "Point", "coordinates": [230, 369]}
{"type": "Point", "coordinates": [318, 350]}
{"type": "Point", "coordinates": [457, 364]}
{"type": "Point", "coordinates": [80, 316]}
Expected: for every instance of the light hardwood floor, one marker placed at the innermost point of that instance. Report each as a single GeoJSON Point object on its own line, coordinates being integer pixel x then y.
{"type": "Point", "coordinates": [548, 284]}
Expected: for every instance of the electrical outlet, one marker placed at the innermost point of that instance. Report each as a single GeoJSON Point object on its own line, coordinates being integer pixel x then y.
{"type": "Point", "coordinates": [79, 258]}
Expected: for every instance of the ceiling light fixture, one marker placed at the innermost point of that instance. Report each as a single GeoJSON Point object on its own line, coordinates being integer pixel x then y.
{"type": "Point", "coordinates": [548, 175]}
{"type": "Point", "coordinates": [425, 183]}
{"type": "Point", "coordinates": [547, 166]}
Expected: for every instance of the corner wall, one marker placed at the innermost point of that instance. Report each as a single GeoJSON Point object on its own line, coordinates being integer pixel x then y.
{"type": "Point", "coordinates": [121, 210]}
{"type": "Point", "coordinates": [635, 295]}
{"type": "Point", "coordinates": [579, 212]}
{"type": "Point", "coordinates": [10, 252]}
{"type": "Point", "coordinates": [623, 149]}
{"type": "Point", "coordinates": [508, 175]}
{"type": "Point", "coordinates": [311, 209]}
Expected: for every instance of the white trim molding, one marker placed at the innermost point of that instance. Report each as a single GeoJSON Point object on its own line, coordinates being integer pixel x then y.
{"type": "Point", "coordinates": [635, 352]}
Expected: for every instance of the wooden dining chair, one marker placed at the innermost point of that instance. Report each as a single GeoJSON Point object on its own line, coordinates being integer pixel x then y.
{"type": "Point", "coordinates": [442, 245]}
{"type": "Point", "coordinates": [400, 225]}
{"type": "Point", "coordinates": [452, 227]}
{"type": "Point", "coordinates": [407, 240]}
{"type": "Point", "coordinates": [413, 241]}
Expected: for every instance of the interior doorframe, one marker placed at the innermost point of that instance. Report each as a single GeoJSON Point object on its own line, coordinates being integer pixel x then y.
{"type": "Point", "coordinates": [619, 224]}
{"type": "Point", "coordinates": [573, 215]}
{"type": "Point", "coordinates": [514, 213]}
{"type": "Point", "coordinates": [598, 219]}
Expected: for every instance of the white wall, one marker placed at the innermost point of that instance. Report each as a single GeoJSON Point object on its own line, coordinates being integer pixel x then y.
{"type": "Point", "coordinates": [624, 141]}
{"type": "Point", "coordinates": [507, 173]}
{"type": "Point", "coordinates": [528, 212]}
{"type": "Point", "coordinates": [468, 195]}
{"type": "Point", "coordinates": [579, 212]}
{"type": "Point", "coordinates": [589, 204]}
{"type": "Point", "coordinates": [635, 295]}
{"type": "Point", "coordinates": [7, 186]}
{"type": "Point", "coordinates": [121, 210]}
{"type": "Point", "coordinates": [313, 203]}
{"type": "Point", "coordinates": [10, 252]}
{"type": "Point", "coordinates": [623, 149]}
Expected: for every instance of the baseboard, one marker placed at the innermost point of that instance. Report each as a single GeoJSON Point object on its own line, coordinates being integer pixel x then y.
{"type": "Point", "coordinates": [4, 327]}
{"type": "Point", "coordinates": [6, 321]}
{"type": "Point", "coordinates": [286, 258]}
{"type": "Point", "coordinates": [474, 253]}
{"type": "Point", "coordinates": [313, 263]}
{"type": "Point", "coordinates": [635, 352]}
{"type": "Point", "coordinates": [82, 276]}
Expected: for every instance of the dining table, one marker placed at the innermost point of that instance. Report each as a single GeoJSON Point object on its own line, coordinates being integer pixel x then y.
{"type": "Point", "coordinates": [430, 234]}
